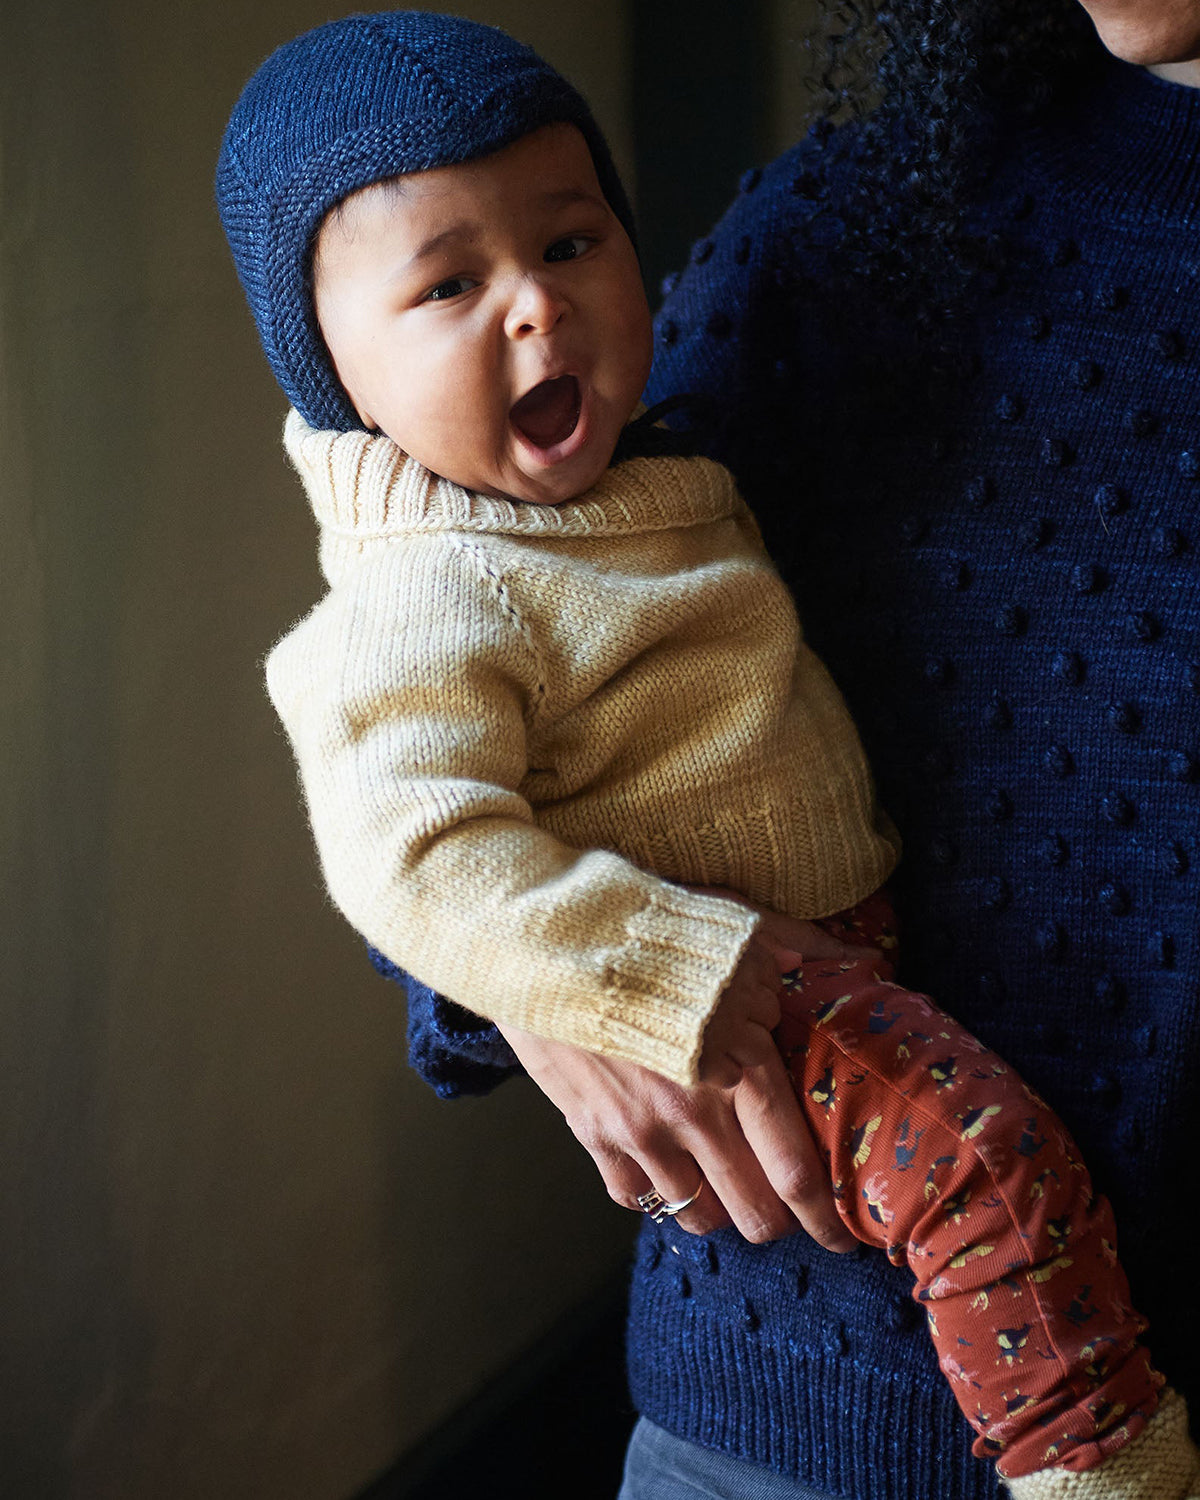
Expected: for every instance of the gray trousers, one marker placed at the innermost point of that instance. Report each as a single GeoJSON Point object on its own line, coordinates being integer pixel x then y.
{"type": "Point", "coordinates": [660, 1466]}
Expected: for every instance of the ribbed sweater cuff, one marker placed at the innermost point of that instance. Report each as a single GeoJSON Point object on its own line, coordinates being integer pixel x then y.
{"type": "Point", "coordinates": [664, 983]}
{"type": "Point", "coordinates": [1160, 1464]}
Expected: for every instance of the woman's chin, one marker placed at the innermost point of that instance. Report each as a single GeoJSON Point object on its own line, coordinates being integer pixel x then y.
{"type": "Point", "coordinates": [1136, 35]}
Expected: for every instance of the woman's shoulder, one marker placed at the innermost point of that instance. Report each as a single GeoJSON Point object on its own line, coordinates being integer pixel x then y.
{"type": "Point", "coordinates": [701, 325]}
{"type": "Point", "coordinates": [739, 324]}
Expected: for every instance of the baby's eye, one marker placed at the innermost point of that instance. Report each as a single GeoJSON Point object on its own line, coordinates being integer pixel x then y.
{"type": "Point", "coordinates": [569, 248]}
{"type": "Point", "coordinates": [453, 286]}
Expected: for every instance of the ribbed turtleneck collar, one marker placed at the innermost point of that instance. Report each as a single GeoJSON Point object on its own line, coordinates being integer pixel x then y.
{"type": "Point", "coordinates": [1130, 145]}
{"type": "Point", "coordinates": [360, 485]}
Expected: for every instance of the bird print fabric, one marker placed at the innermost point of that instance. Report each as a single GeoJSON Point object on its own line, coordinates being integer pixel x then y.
{"type": "Point", "coordinates": [944, 1158]}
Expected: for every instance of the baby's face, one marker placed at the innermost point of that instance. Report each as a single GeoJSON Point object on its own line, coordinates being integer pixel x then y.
{"type": "Point", "coordinates": [489, 317]}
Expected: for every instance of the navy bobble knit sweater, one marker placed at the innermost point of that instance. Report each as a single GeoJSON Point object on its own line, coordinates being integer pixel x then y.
{"type": "Point", "coordinates": [997, 551]}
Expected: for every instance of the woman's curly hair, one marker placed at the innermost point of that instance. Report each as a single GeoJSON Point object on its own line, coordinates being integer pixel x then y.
{"type": "Point", "coordinates": [922, 84]}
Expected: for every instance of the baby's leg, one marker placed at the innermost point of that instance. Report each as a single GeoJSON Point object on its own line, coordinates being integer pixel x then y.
{"type": "Point", "coordinates": [943, 1157]}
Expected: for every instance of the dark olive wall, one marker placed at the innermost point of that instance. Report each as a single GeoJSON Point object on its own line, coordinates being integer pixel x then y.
{"type": "Point", "coordinates": [701, 115]}
{"type": "Point", "coordinates": [716, 89]}
{"type": "Point", "coordinates": [243, 1252]}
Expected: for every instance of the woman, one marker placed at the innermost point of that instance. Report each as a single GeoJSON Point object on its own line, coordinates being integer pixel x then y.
{"type": "Point", "coordinates": [955, 350]}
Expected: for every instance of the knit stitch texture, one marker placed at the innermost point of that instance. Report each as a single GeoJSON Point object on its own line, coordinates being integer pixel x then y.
{"type": "Point", "coordinates": [507, 715]}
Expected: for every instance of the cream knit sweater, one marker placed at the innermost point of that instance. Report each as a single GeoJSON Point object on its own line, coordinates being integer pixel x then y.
{"type": "Point", "coordinates": [521, 729]}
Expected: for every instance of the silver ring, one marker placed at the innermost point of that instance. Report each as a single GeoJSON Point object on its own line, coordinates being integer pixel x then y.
{"type": "Point", "coordinates": [654, 1204]}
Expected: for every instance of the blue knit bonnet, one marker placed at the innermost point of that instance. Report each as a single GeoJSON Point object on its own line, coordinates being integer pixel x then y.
{"type": "Point", "coordinates": [354, 101]}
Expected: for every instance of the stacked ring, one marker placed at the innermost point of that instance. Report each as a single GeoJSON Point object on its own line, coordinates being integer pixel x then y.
{"type": "Point", "coordinates": [654, 1204]}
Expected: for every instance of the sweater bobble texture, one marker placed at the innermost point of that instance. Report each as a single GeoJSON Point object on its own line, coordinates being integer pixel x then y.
{"type": "Point", "coordinates": [349, 104]}
{"type": "Point", "coordinates": [1049, 890]}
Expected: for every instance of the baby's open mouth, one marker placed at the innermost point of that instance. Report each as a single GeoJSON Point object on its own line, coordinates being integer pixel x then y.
{"type": "Point", "coordinates": [547, 415]}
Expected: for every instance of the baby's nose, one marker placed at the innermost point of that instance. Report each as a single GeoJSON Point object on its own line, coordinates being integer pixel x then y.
{"type": "Point", "coordinates": [535, 308]}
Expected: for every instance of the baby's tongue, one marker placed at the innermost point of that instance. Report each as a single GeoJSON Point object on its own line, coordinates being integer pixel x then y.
{"type": "Point", "coordinates": [547, 414]}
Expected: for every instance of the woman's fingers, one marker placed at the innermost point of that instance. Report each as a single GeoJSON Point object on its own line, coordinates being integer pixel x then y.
{"type": "Point", "coordinates": [692, 1137]}
{"type": "Point", "coordinates": [676, 1180]}
{"type": "Point", "coordinates": [629, 1121]}
{"type": "Point", "coordinates": [703, 1121]}
{"type": "Point", "coordinates": [749, 1142]}
{"type": "Point", "coordinates": [704, 1216]}
{"type": "Point", "coordinates": [776, 1134]}
{"type": "Point", "coordinates": [739, 1183]}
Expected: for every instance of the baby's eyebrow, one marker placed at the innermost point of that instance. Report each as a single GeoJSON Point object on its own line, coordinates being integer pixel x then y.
{"type": "Point", "coordinates": [568, 197]}
{"type": "Point", "coordinates": [466, 231]}
{"type": "Point", "coordinates": [462, 232]}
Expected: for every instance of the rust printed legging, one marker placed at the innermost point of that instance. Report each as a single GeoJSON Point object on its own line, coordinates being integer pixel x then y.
{"type": "Point", "coordinates": [941, 1156]}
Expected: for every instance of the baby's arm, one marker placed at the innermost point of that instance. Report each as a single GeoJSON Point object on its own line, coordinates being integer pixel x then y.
{"type": "Point", "coordinates": [407, 694]}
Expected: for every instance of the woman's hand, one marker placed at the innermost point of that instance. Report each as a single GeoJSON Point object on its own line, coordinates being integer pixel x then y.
{"type": "Point", "coordinates": [747, 1139]}
{"type": "Point", "coordinates": [749, 1143]}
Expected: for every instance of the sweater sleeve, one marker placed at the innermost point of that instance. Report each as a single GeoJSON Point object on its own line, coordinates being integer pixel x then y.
{"type": "Point", "coordinates": [407, 695]}
{"type": "Point", "coordinates": [456, 1053]}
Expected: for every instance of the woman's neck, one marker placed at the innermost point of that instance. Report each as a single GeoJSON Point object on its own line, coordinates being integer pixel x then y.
{"type": "Point", "coordinates": [1186, 73]}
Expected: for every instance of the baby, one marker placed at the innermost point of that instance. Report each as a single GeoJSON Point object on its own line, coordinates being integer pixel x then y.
{"type": "Point", "coordinates": [555, 683]}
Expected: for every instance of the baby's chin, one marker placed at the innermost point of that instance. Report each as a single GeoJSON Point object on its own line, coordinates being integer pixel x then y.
{"type": "Point", "coordinates": [524, 483]}
{"type": "Point", "coordinates": [517, 474]}
{"type": "Point", "coordinates": [522, 490]}
{"type": "Point", "coordinates": [516, 489]}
